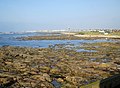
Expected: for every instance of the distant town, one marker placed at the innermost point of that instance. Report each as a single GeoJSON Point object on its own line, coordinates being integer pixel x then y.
{"type": "Point", "coordinates": [105, 31]}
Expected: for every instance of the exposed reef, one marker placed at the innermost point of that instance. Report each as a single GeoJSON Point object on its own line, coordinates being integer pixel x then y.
{"type": "Point", "coordinates": [68, 37]}
{"type": "Point", "coordinates": [57, 68]}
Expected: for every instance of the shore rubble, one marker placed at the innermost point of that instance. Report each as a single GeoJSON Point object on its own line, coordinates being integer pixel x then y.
{"type": "Point", "coordinates": [24, 67]}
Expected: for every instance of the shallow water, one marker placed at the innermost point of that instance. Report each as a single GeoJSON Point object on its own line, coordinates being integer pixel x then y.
{"type": "Point", "coordinates": [10, 39]}
{"type": "Point", "coordinates": [56, 84]}
{"type": "Point", "coordinates": [83, 50]}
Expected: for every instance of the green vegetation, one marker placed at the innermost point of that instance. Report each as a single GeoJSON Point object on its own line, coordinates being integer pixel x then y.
{"type": "Point", "coordinates": [90, 33]}
{"type": "Point", "coordinates": [115, 33]}
{"type": "Point", "coordinates": [92, 85]}
{"type": "Point", "coordinates": [81, 33]}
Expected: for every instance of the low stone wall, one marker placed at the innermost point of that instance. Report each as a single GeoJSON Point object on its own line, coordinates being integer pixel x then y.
{"type": "Point", "coordinates": [92, 85]}
{"type": "Point", "coordinates": [111, 82]}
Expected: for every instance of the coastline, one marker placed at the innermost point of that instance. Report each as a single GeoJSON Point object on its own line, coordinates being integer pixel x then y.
{"type": "Point", "coordinates": [69, 36]}
{"type": "Point", "coordinates": [100, 36]}
{"type": "Point", "coordinates": [58, 67]}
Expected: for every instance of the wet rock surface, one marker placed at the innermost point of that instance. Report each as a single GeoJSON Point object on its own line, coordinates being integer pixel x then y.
{"type": "Point", "coordinates": [23, 67]}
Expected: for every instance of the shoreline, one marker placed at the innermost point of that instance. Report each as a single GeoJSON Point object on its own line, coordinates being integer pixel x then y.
{"type": "Point", "coordinates": [67, 68]}
{"type": "Point", "coordinates": [99, 36]}
{"type": "Point", "coordinates": [68, 37]}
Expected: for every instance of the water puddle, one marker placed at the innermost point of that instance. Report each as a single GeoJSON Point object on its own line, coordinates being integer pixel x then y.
{"type": "Point", "coordinates": [105, 60]}
{"type": "Point", "coordinates": [84, 50]}
{"type": "Point", "coordinates": [93, 59]}
{"type": "Point", "coordinates": [56, 84]}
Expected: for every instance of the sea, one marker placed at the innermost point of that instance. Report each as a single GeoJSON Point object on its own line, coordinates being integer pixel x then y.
{"type": "Point", "coordinates": [12, 40]}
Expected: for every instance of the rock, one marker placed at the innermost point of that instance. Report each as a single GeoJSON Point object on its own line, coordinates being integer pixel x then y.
{"type": "Point", "coordinates": [74, 80]}
{"type": "Point", "coordinates": [7, 82]}
{"type": "Point", "coordinates": [60, 80]}
{"type": "Point", "coordinates": [68, 85]}
{"type": "Point", "coordinates": [70, 79]}
{"type": "Point", "coordinates": [45, 85]}
{"type": "Point", "coordinates": [39, 77]}
{"type": "Point", "coordinates": [104, 65]}
{"type": "Point", "coordinates": [33, 73]}
{"type": "Point", "coordinates": [54, 71]}
{"type": "Point", "coordinates": [42, 85]}
{"type": "Point", "coordinates": [44, 69]}
{"type": "Point", "coordinates": [35, 67]}
{"type": "Point", "coordinates": [8, 63]}
{"type": "Point", "coordinates": [19, 65]}
{"type": "Point", "coordinates": [33, 84]}
{"type": "Point", "coordinates": [1, 54]}
{"type": "Point", "coordinates": [47, 77]}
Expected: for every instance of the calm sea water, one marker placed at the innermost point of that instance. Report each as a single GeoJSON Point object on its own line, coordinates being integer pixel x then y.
{"type": "Point", "coordinates": [10, 39]}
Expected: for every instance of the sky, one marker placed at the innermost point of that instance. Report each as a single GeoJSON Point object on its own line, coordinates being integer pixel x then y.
{"type": "Point", "coordinates": [26, 15]}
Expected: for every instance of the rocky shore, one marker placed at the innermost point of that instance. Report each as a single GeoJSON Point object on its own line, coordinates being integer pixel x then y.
{"type": "Point", "coordinates": [68, 37]}
{"type": "Point", "coordinates": [23, 67]}
{"type": "Point", "coordinates": [57, 37]}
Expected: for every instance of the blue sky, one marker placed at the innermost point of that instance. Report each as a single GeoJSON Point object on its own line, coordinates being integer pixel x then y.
{"type": "Point", "coordinates": [22, 15]}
